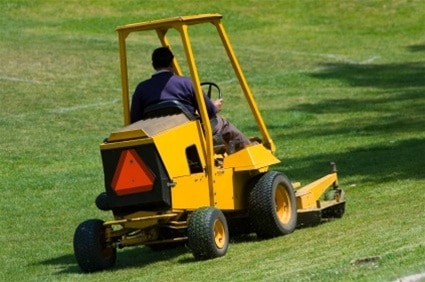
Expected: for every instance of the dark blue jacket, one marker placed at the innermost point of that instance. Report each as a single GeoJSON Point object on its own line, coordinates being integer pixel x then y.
{"type": "Point", "coordinates": [166, 86]}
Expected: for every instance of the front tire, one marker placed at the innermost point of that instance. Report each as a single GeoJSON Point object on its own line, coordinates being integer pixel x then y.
{"type": "Point", "coordinates": [208, 233]}
{"type": "Point", "coordinates": [90, 248]}
{"type": "Point", "coordinates": [272, 206]}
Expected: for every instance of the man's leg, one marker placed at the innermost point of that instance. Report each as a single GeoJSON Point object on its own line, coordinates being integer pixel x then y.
{"type": "Point", "coordinates": [230, 133]}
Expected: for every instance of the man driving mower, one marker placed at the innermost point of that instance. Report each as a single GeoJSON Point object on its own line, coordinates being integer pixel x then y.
{"type": "Point", "coordinates": [165, 85]}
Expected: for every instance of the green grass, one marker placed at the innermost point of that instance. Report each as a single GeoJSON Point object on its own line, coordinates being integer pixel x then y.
{"type": "Point", "coordinates": [339, 81]}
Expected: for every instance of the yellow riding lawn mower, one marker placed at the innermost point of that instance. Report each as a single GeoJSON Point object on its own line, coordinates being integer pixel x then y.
{"type": "Point", "coordinates": [170, 182]}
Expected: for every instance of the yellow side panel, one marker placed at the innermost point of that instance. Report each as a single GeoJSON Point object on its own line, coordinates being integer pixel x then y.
{"type": "Point", "coordinates": [224, 193]}
{"type": "Point", "coordinates": [249, 158]}
{"type": "Point", "coordinates": [172, 144]}
{"type": "Point", "coordinates": [190, 192]}
{"type": "Point", "coordinates": [230, 189]}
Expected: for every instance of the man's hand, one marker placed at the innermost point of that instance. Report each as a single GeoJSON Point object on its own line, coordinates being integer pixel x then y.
{"type": "Point", "coordinates": [218, 104]}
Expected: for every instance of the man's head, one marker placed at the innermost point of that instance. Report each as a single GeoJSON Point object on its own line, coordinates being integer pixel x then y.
{"type": "Point", "coordinates": [162, 58]}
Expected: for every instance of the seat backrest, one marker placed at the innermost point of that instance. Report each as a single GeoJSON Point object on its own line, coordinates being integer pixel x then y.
{"type": "Point", "coordinates": [172, 107]}
{"type": "Point", "coordinates": [168, 107]}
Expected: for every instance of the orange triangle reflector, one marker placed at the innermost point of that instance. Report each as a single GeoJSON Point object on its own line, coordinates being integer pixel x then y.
{"type": "Point", "coordinates": [132, 174]}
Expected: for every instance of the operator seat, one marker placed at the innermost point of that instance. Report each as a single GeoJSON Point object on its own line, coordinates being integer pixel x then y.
{"type": "Point", "coordinates": [168, 107]}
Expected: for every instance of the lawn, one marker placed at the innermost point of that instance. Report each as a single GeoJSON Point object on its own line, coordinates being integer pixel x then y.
{"type": "Point", "coordinates": [339, 81]}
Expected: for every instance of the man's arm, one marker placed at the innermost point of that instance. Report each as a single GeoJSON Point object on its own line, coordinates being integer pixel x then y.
{"type": "Point", "coordinates": [212, 107]}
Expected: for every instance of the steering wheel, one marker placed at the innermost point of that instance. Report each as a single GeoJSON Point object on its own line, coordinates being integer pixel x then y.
{"type": "Point", "coordinates": [209, 86]}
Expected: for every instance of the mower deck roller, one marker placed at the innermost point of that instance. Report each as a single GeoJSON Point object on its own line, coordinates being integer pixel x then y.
{"type": "Point", "coordinates": [168, 181]}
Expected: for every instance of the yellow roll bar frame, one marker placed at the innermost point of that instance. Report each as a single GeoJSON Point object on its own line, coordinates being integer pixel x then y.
{"type": "Point", "coordinates": [181, 24]}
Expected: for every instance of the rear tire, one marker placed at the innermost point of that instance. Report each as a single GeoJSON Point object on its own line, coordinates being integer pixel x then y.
{"type": "Point", "coordinates": [90, 248]}
{"type": "Point", "coordinates": [208, 233]}
{"type": "Point", "coordinates": [272, 206]}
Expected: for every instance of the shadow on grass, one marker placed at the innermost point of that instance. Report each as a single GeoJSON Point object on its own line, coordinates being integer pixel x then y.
{"type": "Point", "coordinates": [395, 75]}
{"type": "Point", "coordinates": [396, 107]}
{"type": "Point", "coordinates": [416, 48]}
{"type": "Point", "coordinates": [66, 264]}
{"type": "Point", "coordinates": [374, 164]}
{"type": "Point", "coordinates": [135, 257]}
{"type": "Point", "coordinates": [139, 256]}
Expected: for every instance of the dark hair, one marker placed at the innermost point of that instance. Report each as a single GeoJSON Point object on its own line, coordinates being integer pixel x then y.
{"type": "Point", "coordinates": [162, 57]}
